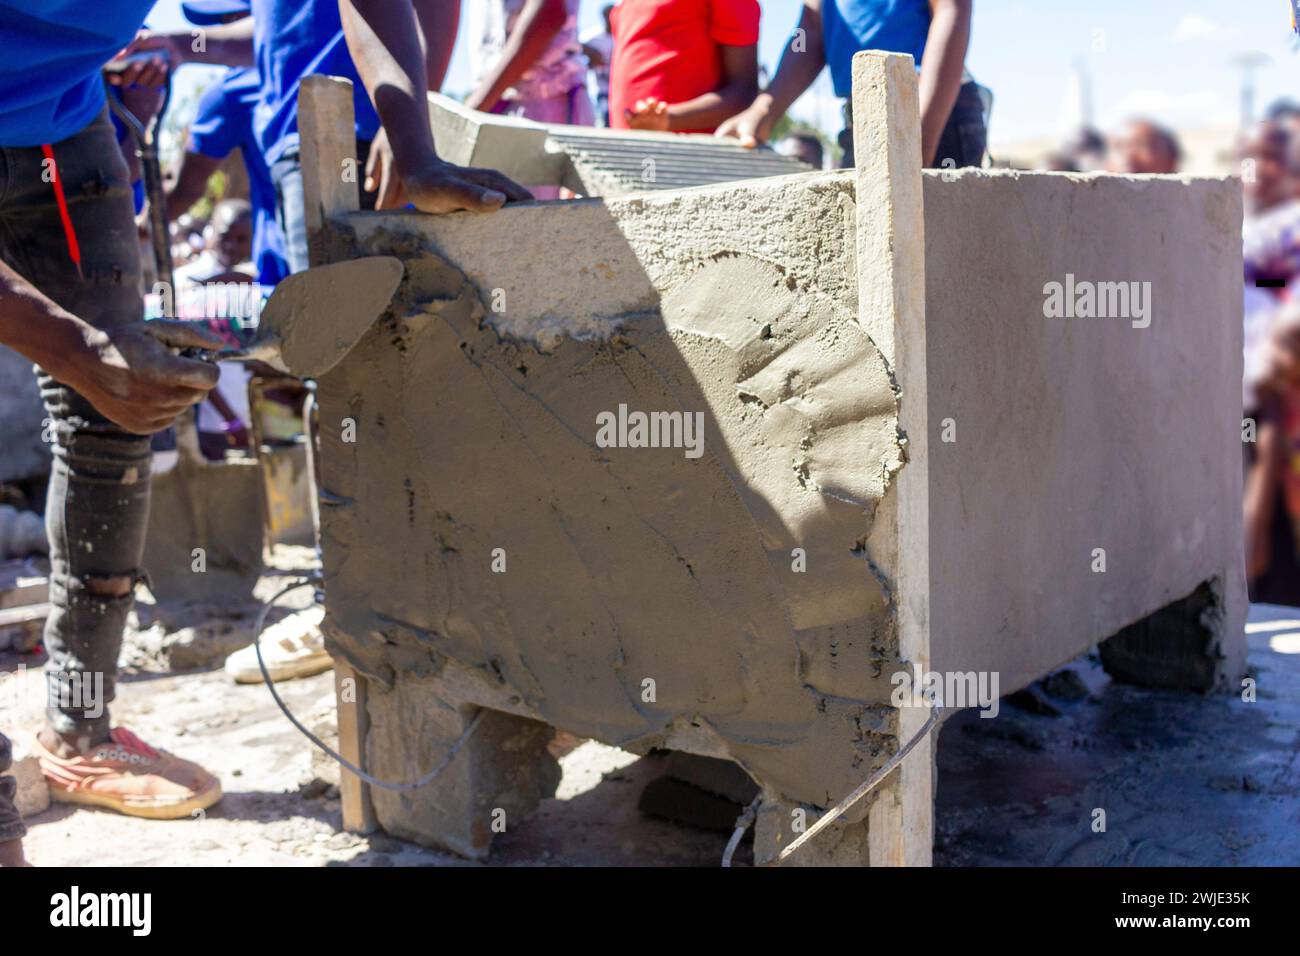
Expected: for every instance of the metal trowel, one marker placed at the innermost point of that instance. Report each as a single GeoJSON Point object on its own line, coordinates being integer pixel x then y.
{"type": "Point", "coordinates": [314, 318]}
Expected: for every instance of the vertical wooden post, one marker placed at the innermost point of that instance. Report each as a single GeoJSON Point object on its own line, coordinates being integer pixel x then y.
{"type": "Point", "coordinates": [350, 693]}
{"type": "Point", "coordinates": [328, 146]}
{"type": "Point", "coordinates": [891, 307]}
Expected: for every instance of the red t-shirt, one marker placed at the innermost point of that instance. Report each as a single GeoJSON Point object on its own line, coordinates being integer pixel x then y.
{"type": "Point", "coordinates": [672, 49]}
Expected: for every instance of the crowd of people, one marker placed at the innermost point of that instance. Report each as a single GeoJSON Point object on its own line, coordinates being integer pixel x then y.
{"type": "Point", "coordinates": [1138, 146]}
{"type": "Point", "coordinates": [1270, 171]}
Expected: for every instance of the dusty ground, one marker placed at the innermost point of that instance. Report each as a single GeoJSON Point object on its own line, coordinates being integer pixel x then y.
{"type": "Point", "coordinates": [1183, 779]}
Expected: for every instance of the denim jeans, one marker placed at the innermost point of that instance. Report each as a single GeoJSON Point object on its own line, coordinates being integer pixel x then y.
{"type": "Point", "coordinates": [98, 504]}
{"type": "Point", "coordinates": [11, 824]}
{"type": "Point", "coordinates": [962, 143]}
{"type": "Point", "coordinates": [291, 202]}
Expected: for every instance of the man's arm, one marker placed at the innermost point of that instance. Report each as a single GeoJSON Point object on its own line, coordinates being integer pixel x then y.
{"type": "Point", "coordinates": [230, 44]}
{"type": "Point", "coordinates": [191, 183]}
{"type": "Point", "coordinates": [538, 23]}
{"type": "Point", "coordinates": [129, 374]}
{"type": "Point", "coordinates": [384, 39]}
{"type": "Point", "coordinates": [439, 22]}
{"type": "Point", "coordinates": [739, 84]}
{"type": "Point", "coordinates": [941, 69]}
{"type": "Point", "coordinates": [802, 61]}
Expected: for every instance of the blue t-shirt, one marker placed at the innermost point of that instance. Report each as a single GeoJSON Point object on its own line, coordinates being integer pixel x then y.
{"type": "Point", "coordinates": [293, 39]}
{"type": "Point", "coordinates": [51, 52]}
{"type": "Point", "coordinates": [851, 26]}
{"type": "Point", "coordinates": [223, 123]}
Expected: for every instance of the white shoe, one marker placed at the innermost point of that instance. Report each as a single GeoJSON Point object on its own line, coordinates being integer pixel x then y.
{"type": "Point", "coordinates": [292, 647]}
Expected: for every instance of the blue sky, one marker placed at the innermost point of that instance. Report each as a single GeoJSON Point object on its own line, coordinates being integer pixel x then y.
{"type": "Point", "coordinates": [1171, 59]}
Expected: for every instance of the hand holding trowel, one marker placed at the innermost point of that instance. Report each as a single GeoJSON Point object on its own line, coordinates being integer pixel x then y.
{"type": "Point", "coordinates": [314, 318]}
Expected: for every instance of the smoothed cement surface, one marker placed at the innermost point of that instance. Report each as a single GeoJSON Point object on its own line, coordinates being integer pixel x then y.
{"type": "Point", "coordinates": [1078, 434]}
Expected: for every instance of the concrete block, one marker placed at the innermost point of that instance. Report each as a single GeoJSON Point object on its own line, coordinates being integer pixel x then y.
{"type": "Point", "coordinates": [214, 506]}
{"type": "Point", "coordinates": [493, 783]}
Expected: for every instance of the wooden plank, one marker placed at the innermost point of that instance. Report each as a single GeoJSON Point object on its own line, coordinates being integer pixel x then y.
{"type": "Point", "coordinates": [327, 136]}
{"type": "Point", "coordinates": [353, 722]}
{"type": "Point", "coordinates": [891, 297]}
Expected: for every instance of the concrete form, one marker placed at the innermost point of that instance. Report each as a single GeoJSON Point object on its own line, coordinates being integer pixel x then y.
{"type": "Point", "coordinates": [485, 548]}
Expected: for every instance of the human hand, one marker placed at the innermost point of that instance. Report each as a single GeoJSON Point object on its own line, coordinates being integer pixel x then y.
{"type": "Point", "coordinates": [145, 61]}
{"type": "Point", "coordinates": [752, 126]}
{"type": "Point", "coordinates": [649, 113]}
{"type": "Point", "coordinates": [132, 376]}
{"type": "Point", "coordinates": [436, 186]}
{"type": "Point", "coordinates": [381, 176]}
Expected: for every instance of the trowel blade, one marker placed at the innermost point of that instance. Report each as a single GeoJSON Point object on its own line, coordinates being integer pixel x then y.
{"type": "Point", "coordinates": [314, 318]}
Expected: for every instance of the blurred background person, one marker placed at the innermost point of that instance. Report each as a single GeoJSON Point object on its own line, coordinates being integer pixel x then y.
{"type": "Point", "coordinates": [936, 33]}
{"type": "Point", "coordinates": [229, 247]}
{"type": "Point", "coordinates": [682, 66]}
{"type": "Point", "coordinates": [599, 48]}
{"type": "Point", "coordinates": [528, 61]}
{"type": "Point", "coordinates": [1269, 154]}
{"type": "Point", "coordinates": [805, 147]}
{"type": "Point", "coordinates": [1086, 149]}
{"type": "Point", "coordinates": [1143, 146]}
{"type": "Point", "coordinates": [223, 123]}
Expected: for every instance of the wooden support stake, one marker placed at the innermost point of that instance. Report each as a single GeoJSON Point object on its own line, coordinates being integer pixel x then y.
{"type": "Point", "coordinates": [354, 724]}
{"type": "Point", "coordinates": [891, 304]}
{"type": "Point", "coordinates": [328, 145]}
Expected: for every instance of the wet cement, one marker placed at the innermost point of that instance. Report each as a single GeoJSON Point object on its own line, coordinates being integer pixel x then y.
{"type": "Point", "coordinates": [622, 593]}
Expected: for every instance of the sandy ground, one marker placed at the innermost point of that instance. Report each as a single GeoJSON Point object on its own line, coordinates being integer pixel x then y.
{"type": "Point", "coordinates": [1182, 779]}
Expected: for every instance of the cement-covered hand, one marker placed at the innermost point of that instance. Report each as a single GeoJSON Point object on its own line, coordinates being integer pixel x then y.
{"type": "Point", "coordinates": [132, 376]}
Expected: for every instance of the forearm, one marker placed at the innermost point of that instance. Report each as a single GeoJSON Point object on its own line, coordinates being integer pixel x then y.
{"type": "Point", "coordinates": [384, 40]}
{"type": "Point", "coordinates": [798, 67]}
{"type": "Point", "coordinates": [941, 70]}
{"type": "Point", "coordinates": [191, 183]}
{"type": "Point", "coordinates": [38, 329]}
{"type": "Point", "coordinates": [536, 27]}
{"type": "Point", "coordinates": [230, 44]}
{"type": "Point", "coordinates": [709, 110]}
{"type": "Point", "coordinates": [439, 22]}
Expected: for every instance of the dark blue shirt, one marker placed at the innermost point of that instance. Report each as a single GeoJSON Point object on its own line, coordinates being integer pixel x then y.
{"type": "Point", "coordinates": [224, 122]}
{"type": "Point", "coordinates": [293, 39]}
{"type": "Point", "coordinates": [850, 26]}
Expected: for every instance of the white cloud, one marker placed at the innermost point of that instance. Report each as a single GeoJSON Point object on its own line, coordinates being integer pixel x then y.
{"type": "Point", "coordinates": [1191, 109]}
{"type": "Point", "coordinates": [1193, 26]}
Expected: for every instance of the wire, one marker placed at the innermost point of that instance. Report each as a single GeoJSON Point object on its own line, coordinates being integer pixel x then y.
{"type": "Point", "coordinates": [742, 824]}
{"type": "Point", "coordinates": [428, 778]}
{"type": "Point", "coordinates": [873, 781]}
